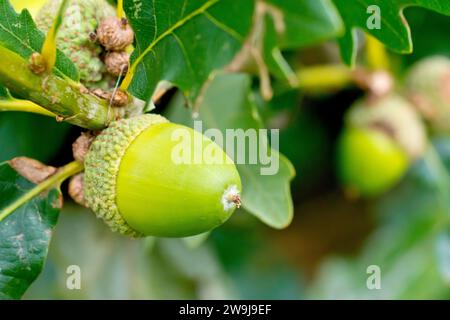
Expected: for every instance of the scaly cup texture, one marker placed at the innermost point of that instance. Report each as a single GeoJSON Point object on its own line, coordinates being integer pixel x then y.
{"type": "Point", "coordinates": [146, 176]}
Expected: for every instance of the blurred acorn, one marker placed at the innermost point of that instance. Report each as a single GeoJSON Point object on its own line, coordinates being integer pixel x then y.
{"type": "Point", "coordinates": [395, 117]}
{"type": "Point", "coordinates": [369, 162]}
{"type": "Point", "coordinates": [381, 139]}
{"type": "Point", "coordinates": [428, 87]}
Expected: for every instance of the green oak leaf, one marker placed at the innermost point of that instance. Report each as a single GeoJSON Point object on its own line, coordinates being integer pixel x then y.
{"type": "Point", "coordinates": [19, 33]}
{"type": "Point", "coordinates": [306, 22]}
{"type": "Point", "coordinates": [293, 24]}
{"type": "Point", "coordinates": [428, 29]}
{"type": "Point", "coordinates": [25, 234]}
{"type": "Point", "coordinates": [394, 31]}
{"type": "Point", "coordinates": [184, 41]}
{"type": "Point", "coordinates": [228, 103]}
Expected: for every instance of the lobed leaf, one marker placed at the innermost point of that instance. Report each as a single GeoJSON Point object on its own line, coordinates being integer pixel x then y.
{"type": "Point", "coordinates": [394, 31]}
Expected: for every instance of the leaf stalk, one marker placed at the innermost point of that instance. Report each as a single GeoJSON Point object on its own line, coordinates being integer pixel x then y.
{"type": "Point", "coordinates": [24, 106]}
{"type": "Point", "coordinates": [62, 174]}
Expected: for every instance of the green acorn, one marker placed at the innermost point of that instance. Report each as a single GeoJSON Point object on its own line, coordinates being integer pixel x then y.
{"type": "Point", "coordinates": [74, 38]}
{"type": "Point", "coordinates": [394, 116]}
{"type": "Point", "coordinates": [428, 86]}
{"type": "Point", "coordinates": [369, 162]}
{"type": "Point", "coordinates": [381, 139]}
{"type": "Point", "coordinates": [135, 182]}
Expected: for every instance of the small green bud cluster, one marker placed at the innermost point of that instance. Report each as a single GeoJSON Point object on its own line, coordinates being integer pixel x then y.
{"type": "Point", "coordinates": [92, 37]}
{"type": "Point", "coordinates": [74, 38]}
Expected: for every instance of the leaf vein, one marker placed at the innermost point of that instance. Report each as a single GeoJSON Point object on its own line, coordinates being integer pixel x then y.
{"type": "Point", "coordinates": [223, 27]}
{"type": "Point", "coordinates": [185, 54]}
{"type": "Point", "coordinates": [169, 31]}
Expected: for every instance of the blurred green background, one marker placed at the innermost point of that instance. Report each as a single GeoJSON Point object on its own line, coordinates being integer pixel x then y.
{"type": "Point", "coordinates": [323, 254]}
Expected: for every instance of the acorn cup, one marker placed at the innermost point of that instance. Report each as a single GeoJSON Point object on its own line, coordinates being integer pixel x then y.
{"type": "Point", "coordinates": [143, 177]}
{"type": "Point", "coordinates": [428, 87]}
{"type": "Point", "coordinates": [381, 139]}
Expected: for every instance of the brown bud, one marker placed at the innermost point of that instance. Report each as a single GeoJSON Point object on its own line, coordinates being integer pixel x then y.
{"type": "Point", "coordinates": [102, 94]}
{"type": "Point", "coordinates": [120, 99]}
{"type": "Point", "coordinates": [81, 146]}
{"type": "Point", "coordinates": [75, 189]}
{"type": "Point", "coordinates": [117, 62]}
{"type": "Point", "coordinates": [92, 36]}
{"type": "Point", "coordinates": [117, 99]}
{"type": "Point", "coordinates": [31, 169]}
{"type": "Point", "coordinates": [115, 34]}
{"type": "Point", "coordinates": [37, 64]}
